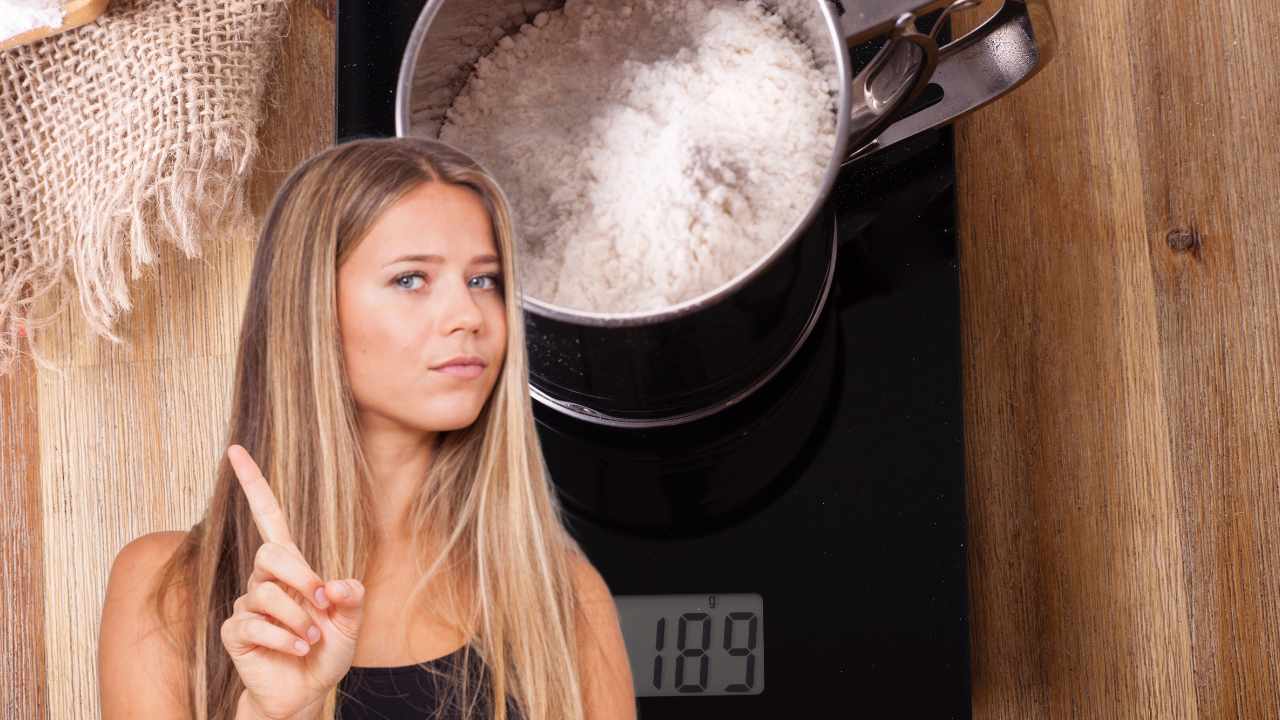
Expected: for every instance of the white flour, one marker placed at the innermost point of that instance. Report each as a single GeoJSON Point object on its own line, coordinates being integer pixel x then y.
{"type": "Point", "coordinates": [19, 16]}
{"type": "Point", "coordinates": [651, 150]}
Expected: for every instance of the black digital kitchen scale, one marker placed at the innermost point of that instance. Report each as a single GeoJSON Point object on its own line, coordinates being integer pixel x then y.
{"type": "Point", "coordinates": [803, 550]}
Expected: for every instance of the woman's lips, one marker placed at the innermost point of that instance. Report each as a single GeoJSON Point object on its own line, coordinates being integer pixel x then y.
{"type": "Point", "coordinates": [462, 371]}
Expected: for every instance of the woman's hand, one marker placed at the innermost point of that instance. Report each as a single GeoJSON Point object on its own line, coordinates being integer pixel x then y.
{"type": "Point", "coordinates": [284, 602]}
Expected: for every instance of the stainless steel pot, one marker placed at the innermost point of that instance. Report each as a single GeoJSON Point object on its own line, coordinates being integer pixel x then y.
{"type": "Point", "coordinates": [688, 361]}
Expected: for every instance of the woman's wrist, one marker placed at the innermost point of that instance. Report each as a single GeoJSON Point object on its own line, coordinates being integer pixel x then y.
{"type": "Point", "coordinates": [245, 710]}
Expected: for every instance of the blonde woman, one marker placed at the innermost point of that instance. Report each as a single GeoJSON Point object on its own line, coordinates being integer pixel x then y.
{"type": "Point", "coordinates": [383, 539]}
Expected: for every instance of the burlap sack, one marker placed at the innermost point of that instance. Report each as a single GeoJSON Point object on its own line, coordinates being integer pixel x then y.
{"type": "Point", "coordinates": [136, 129]}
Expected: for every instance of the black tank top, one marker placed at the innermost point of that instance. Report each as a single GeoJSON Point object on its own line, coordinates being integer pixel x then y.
{"type": "Point", "coordinates": [412, 691]}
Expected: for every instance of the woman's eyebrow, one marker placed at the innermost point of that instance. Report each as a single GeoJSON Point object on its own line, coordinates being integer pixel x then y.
{"type": "Point", "coordinates": [440, 258]}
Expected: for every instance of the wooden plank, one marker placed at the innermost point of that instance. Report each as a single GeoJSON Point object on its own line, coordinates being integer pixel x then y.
{"type": "Point", "coordinates": [328, 7]}
{"type": "Point", "coordinates": [131, 434]}
{"type": "Point", "coordinates": [1120, 298]}
{"type": "Point", "coordinates": [22, 657]}
{"type": "Point", "coordinates": [1210, 156]}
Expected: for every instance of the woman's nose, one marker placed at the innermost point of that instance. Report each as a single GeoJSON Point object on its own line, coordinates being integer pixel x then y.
{"type": "Point", "coordinates": [461, 310]}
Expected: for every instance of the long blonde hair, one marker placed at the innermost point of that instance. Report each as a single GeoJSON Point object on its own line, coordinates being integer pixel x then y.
{"type": "Point", "coordinates": [485, 511]}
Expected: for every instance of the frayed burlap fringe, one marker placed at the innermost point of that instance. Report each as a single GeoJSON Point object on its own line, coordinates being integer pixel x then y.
{"type": "Point", "coordinates": [135, 130]}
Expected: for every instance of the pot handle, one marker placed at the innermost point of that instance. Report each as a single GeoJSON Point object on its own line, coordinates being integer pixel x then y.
{"type": "Point", "coordinates": [993, 59]}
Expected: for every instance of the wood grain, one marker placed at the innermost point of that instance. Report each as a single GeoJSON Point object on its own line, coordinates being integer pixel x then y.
{"type": "Point", "coordinates": [1120, 302]}
{"type": "Point", "coordinates": [328, 7]}
{"type": "Point", "coordinates": [22, 656]}
{"type": "Point", "coordinates": [114, 441]}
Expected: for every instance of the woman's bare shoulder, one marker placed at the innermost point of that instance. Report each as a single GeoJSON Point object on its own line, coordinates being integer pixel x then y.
{"type": "Point", "coordinates": [135, 658]}
{"type": "Point", "coordinates": [154, 546]}
{"type": "Point", "coordinates": [137, 565]}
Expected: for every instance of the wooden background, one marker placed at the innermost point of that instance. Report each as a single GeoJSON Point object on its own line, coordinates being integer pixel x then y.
{"type": "Point", "coordinates": [1121, 300]}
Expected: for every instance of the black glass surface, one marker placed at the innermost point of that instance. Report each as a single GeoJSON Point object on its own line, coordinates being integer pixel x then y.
{"type": "Point", "coordinates": [836, 492]}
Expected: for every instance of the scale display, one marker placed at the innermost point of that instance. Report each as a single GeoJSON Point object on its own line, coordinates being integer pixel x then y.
{"type": "Point", "coordinates": [694, 644]}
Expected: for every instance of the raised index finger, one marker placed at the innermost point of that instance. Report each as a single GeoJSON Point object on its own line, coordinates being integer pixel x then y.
{"type": "Point", "coordinates": [267, 514]}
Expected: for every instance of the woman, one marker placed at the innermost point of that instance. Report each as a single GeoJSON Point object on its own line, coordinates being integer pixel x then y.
{"type": "Point", "coordinates": [362, 463]}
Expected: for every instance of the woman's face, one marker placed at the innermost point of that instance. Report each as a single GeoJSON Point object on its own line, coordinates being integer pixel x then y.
{"type": "Point", "coordinates": [423, 288]}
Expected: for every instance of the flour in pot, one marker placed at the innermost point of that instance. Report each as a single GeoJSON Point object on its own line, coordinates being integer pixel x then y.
{"type": "Point", "coordinates": [651, 150]}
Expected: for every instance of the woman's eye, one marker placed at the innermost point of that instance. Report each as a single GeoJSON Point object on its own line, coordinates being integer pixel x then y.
{"type": "Point", "coordinates": [400, 279]}
{"type": "Point", "coordinates": [497, 280]}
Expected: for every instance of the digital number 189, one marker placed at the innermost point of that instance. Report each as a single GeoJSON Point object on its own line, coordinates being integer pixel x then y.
{"type": "Point", "coordinates": [693, 641]}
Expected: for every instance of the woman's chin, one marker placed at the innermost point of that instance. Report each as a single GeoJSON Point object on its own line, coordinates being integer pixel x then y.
{"type": "Point", "coordinates": [447, 419]}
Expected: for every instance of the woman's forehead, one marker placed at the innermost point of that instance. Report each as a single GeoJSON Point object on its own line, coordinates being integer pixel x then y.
{"type": "Point", "coordinates": [436, 222]}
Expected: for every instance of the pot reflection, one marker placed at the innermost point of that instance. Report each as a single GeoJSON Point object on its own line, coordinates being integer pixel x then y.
{"type": "Point", "coordinates": [708, 474]}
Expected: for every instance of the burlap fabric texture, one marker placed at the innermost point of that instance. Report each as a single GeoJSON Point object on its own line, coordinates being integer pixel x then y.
{"type": "Point", "coordinates": [134, 130]}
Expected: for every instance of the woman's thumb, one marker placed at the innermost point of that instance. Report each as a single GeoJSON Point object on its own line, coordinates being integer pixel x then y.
{"type": "Point", "coordinates": [347, 597]}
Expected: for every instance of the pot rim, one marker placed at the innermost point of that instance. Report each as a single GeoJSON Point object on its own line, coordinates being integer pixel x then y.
{"type": "Point", "coordinates": [582, 412]}
{"type": "Point", "coordinates": [404, 90]}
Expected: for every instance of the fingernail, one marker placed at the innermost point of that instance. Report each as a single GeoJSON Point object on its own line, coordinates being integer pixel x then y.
{"type": "Point", "coordinates": [344, 590]}
{"type": "Point", "coordinates": [320, 598]}
{"type": "Point", "coordinates": [313, 634]}
{"type": "Point", "coordinates": [301, 647]}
